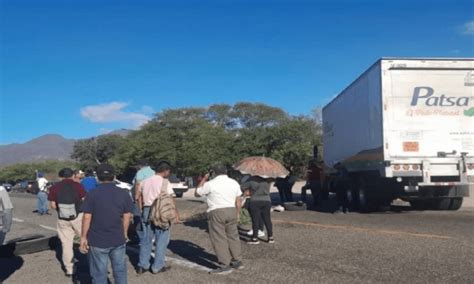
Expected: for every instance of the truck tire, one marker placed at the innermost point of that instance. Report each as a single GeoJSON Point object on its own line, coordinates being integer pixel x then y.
{"type": "Point", "coordinates": [456, 204]}
{"type": "Point", "coordinates": [294, 206]}
{"type": "Point", "coordinates": [419, 205]}
{"type": "Point", "coordinates": [442, 204]}
{"type": "Point", "coordinates": [28, 244]}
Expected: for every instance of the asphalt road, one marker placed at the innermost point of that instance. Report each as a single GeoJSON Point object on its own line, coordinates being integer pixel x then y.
{"type": "Point", "coordinates": [397, 246]}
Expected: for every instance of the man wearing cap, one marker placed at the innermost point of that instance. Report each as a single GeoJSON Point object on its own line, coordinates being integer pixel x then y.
{"type": "Point", "coordinates": [66, 198]}
{"type": "Point", "coordinates": [107, 215]}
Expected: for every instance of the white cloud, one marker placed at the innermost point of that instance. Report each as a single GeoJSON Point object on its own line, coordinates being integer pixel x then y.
{"type": "Point", "coordinates": [468, 28]}
{"type": "Point", "coordinates": [147, 109]}
{"type": "Point", "coordinates": [114, 112]}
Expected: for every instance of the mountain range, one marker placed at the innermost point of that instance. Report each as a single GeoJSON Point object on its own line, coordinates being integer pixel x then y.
{"type": "Point", "coordinates": [46, 147]}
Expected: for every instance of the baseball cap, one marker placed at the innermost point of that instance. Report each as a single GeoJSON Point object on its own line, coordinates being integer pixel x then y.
{"type": "Point", "coordinates": [105, 170]}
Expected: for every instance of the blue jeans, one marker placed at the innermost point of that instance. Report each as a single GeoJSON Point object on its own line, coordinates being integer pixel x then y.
{"type": "Point", "coordinates": [42, 203]}
{"type": "Point", "coordinates": [162, 239]}
{"type": "Point", "coordinates": [99, 261]}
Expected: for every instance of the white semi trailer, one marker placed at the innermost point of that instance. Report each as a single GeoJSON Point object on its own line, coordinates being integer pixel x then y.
{"type": "Point", "coordinates": [403, 129]}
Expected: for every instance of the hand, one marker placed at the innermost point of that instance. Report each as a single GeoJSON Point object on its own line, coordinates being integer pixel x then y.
{"type": "Point", "coordinates": [84, 247]}
{"type": "Point", "coordinates": [178, 220]}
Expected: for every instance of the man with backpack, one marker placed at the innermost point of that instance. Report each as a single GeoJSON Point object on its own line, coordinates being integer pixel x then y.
{"type": "Point", "coordinates": [158, 213]}
{"type": "Point", "coordinates": [66, 198]}
{"type": "Point", "coordinates": [107, 216]}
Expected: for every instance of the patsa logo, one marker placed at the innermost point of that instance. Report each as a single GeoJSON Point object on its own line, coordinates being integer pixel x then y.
{"type": "Point", "coordinates": [425, 95]}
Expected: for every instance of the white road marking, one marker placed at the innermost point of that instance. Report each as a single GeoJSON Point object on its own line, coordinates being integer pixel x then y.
{"type": "Point", "coordinates": [177, 261]}
{"type": "Point", "coordinates": [48, 228]}
{"type": "Point", "coordinates": [18, 220]}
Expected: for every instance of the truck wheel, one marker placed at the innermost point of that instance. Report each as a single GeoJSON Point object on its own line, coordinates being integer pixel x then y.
{"type": "Point", "coordinates": [418, 205]}
{"type": "Point", "coordinates": [456, 204]}
{"type": "Point", "coordinates": [442, 204]}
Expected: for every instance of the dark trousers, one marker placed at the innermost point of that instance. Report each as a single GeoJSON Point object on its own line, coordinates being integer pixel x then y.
{"type": "Point", "coordinates": [315, 187]}
{"type": "Point", "coordinates": [286, 195]}
{"type": "Point", "coordinates": [341, 197]}
{"type": "Point", "coordinates": [260, 213]}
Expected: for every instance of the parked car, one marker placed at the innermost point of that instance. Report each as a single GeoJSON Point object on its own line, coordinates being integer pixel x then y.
{"type": "Point", "coordinates": [179, 186]}
{"type": "Point", "coordinates": [7, 186]}
{"type": "Point", "coordinates": [123, 185]}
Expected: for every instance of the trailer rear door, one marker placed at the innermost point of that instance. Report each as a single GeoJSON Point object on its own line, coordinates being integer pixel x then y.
{"type": "Point", "coordinates": [428, 109]}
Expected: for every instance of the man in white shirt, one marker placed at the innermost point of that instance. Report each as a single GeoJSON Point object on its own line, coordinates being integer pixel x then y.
{"type": "Point", "coordinates": [223, 199]}
{"type": "Point", "coordinates": [42, 204]}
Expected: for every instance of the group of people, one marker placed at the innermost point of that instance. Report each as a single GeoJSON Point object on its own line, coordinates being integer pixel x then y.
{"type": "Point", "coordinates": [101, 217]}
{"type": "Point", "coordinates": [91, 206]}
{"type": "Point", "coordinates": [87, 180]}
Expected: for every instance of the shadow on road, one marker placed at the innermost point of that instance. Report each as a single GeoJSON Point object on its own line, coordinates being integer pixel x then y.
{"type": "Point", "coordinates": [9, 266]}
{"type": "Point", "coordinates": [193, 253]}
{"type": "Point", "coordinates": [197, 223]}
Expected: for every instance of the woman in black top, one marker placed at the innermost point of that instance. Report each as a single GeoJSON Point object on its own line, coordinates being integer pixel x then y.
{"type": "Point", "coordinates": [260, 206]}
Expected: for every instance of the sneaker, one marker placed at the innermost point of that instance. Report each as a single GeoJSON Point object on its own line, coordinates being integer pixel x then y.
{"type": "Point", "coordinates": [237, 264]}
{"type": "Point", "coordinates": [261, 233]}
{"type": "Point", "coordinates": [271, 240]}
{"type": "Point", "coordinates": [253, 242]}
{"type": "Point", "coordinates": [221, 270]}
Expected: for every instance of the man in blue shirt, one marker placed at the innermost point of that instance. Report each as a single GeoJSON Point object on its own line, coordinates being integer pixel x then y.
{"type": "Point", "coordinates": [89, 182]}
{"type": "Point", "coordinates": [107, 215]}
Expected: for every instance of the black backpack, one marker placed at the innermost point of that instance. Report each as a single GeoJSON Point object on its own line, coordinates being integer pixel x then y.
{"type": "Point", "coordinates": [68, 202]}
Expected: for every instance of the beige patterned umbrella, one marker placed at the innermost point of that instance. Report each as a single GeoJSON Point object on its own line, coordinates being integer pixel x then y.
{"type": "Point", "coordinates": [262, 167]}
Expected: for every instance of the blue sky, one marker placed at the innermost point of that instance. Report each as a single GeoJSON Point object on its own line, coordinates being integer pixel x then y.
{"type": "Point", "coordinates": [81, 68]}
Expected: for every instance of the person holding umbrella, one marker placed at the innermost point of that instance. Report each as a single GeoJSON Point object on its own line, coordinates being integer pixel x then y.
{"type": "Point", "coordinates": [262, 170]}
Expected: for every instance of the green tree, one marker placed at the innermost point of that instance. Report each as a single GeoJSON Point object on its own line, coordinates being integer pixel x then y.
{"type": "Point", "coordinates": [192, 139]}
{"type": "Point", "coordinates": [26, 171]}
{"type": "Point", "coordinates": [93, 151]}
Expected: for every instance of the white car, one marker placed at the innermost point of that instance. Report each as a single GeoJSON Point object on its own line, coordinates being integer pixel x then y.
{"type": "Point", "coordinates": [123, 185]}
{"type": "Point", "coordinates": [179, 187]}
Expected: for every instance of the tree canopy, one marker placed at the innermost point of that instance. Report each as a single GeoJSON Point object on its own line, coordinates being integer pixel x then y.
{"type": "Point", "coordinates": [20, 172]}
{"type": "Point", "coordinates": [192, 139]}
